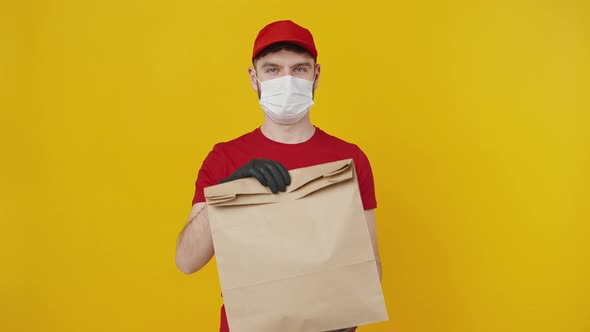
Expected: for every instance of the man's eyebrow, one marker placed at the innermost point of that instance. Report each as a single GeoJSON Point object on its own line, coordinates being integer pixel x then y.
{"type": "Point", "coordinates": [306, 64]}
{"type": "Point", "coordinates": [268, 64]}
{"type": "Point", "coordinates": [271, 64]}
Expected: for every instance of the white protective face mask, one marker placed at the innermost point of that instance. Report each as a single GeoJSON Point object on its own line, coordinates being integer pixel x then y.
{"type": "Point", "coordinates": [286, 99]}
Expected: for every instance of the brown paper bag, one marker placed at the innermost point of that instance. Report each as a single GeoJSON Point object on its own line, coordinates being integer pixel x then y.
{"type": "Point", "coordinates": [298, 261]}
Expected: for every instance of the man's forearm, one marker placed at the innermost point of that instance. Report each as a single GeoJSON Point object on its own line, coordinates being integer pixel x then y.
{"type": "Point", "coordinates": [194, 247]}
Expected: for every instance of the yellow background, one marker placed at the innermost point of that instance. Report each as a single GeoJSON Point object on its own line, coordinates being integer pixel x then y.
{"type": "Point", "coordinates": [474, 114]}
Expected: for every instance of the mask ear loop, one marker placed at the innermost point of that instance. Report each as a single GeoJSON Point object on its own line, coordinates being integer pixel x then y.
{"type": "Point", "coordinates": [259, 84]}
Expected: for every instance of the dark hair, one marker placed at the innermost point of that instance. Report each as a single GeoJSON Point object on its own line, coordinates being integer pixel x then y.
{"type": "Point", "coordinates": [276, 47]}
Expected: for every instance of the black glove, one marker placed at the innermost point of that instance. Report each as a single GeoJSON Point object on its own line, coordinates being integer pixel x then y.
{"type": "Point", "coordinates": [269, 173]}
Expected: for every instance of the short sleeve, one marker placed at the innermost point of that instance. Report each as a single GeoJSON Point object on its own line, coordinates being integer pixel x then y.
{"type": "Point", "coordinates": [365, 179]}
{"type": "Point", "coordinates": [209, 174]}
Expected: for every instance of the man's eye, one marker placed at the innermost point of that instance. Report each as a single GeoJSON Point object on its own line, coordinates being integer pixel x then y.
{"type": "Point", "coordinates": [301, 69]}
{"type": "Point", "coordinates": [271, 70]}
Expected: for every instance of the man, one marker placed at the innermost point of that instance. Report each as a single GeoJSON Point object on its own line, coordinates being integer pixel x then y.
{"type": "Point", "coordinates": [285, 75]}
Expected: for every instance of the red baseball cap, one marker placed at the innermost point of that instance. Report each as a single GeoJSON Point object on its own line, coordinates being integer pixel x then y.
{"type": "Point", "coordinates": [284, 31]}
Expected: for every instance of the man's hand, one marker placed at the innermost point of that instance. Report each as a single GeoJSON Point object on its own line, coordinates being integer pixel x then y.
{"type": "Point", "coordinates": [269, 173]}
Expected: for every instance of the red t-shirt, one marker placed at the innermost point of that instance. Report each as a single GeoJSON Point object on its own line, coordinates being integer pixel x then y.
{"type": "Point", "coordinates": [227, 157]}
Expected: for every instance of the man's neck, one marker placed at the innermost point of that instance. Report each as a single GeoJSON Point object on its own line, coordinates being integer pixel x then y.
{"type": "Point", "coordinates": [289, 134]}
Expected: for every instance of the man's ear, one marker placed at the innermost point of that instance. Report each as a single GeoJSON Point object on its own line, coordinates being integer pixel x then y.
{"type": "Point", "coordinates": [317, 76]}
{"type": "Point", "coordinates": [253, 81]}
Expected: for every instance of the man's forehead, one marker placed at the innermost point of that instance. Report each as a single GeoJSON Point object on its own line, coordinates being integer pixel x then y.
{"type": "Point", "coordinates": [285, 58]}
{"type": "Point", "coordinates": [270, 63]}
